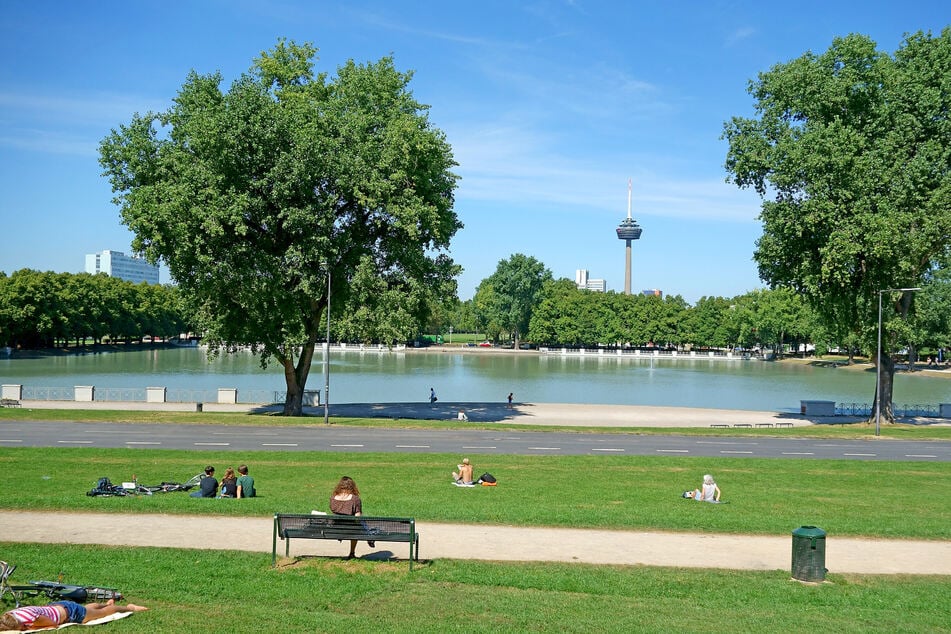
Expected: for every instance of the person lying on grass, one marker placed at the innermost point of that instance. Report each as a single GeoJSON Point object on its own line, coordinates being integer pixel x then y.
{"type": "Point", "coordinates": [34, 617]}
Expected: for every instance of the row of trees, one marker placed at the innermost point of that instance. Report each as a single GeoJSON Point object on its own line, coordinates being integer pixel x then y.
{"type": "Point", "coordinates": [522, 300]}
{"type": "Point", "coordinates": [46, 309]}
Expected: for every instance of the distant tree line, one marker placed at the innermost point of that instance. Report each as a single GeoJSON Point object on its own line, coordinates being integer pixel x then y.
{"type": "Point", "coordinates": [520, 300]}
{"type": "Point", "coordinates": [46, 309]}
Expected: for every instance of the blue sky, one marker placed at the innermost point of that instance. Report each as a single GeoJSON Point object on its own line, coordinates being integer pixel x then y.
{"type": "Point", "coordinates": [550, 107]}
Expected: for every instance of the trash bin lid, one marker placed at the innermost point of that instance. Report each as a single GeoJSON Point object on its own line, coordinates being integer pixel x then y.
{"type": "Point", "coordinates": [809, 532]}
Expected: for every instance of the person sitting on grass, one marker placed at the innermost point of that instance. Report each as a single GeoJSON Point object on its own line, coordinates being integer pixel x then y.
{"type": "Point", "coordinates": [229, 484]}
{"type": "Point", "coordinates": [245, 483]}
{"type": "Point", "coordinates": [708, 491]}
{"type": "Point", "coordinates": [208, 487]}
{"type": "Point", "coordinates": [462, 416]}
{"type": "Point", "coordinates": [463, 477]}
{"type": "Point", "coordinates": [34, 617]}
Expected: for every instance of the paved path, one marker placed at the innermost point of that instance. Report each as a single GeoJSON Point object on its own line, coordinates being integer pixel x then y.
{"type": "Point", "coordinates": [492, 543]}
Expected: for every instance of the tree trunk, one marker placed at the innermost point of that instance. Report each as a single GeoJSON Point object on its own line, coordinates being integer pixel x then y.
{"type": "Point", "coordinates": [296, 378]}
{"type": "Point", "coordinates": [887, 383]}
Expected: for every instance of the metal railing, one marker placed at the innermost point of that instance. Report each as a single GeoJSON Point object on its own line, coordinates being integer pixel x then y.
{"type": "Point", "coordinates": [905, 410]}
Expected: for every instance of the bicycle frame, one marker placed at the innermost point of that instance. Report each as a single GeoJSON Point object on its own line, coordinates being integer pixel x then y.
{"type": "Point", "coordinates": [52, 590]}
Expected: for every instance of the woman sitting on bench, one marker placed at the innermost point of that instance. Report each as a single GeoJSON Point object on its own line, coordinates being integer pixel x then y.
{"type": "Point", "coordinates": [345, 500]}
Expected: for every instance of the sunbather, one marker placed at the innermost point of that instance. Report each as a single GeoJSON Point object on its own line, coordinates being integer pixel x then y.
{"type": "Point", "coordinates": [34, 617]}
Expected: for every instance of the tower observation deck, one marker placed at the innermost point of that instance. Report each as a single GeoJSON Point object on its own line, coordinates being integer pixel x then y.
{"type": "Point", "coordinates": [628, 230]}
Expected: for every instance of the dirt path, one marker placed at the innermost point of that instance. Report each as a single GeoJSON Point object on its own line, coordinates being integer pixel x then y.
{"type": "Point", "coordinates": [493, 543]}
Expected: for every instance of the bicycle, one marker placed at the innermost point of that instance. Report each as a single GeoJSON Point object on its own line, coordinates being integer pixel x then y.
{"type": "Point", "coordinates": [104, 487]}
{"type": "Point", "coordinates": [52, 590]}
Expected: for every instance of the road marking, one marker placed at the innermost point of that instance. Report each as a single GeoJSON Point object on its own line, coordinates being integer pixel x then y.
{"type": "Point", "coordinates": [115, 433]}
{"type": "Point", "coordinates": [279, 444]}
{"type": "Point", "coordinates": [868, 455]}
{"type": "Point", "coordinates": [673, 450]}
{"type": "Point", "coordinates": [728, 451]}
{"type": "Point", "coordinates": [798, 453]}
{"type": "Point", "coordinates": [346, 445]}
{"type": "Point", "coordinates": [475, 447]}
{"type": "Point", "coordinates": [141, 442]}
{"type": "Point", "coordinates": [720, 442]}
{"type": "Point", "coordinates": [412, 446]}
{"type": "Point", "coordinates": [212, 444]}
{"type": "Point", "coordinates": [546, 448]}
{"type": "Point", "coordinates": [919, 455]}
{"type": "Point", "coordinates": [606, 449]}
{"type": "Point", "coordinates": [75, 442]}
{"type": "Point", "coordinates": [9, 440]}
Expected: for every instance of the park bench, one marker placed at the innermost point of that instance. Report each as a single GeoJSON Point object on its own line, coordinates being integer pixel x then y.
{"type": "Point", "coordinates": [9, 402]}
{"type": "Point", "coordinates": [742, 425]}
{"type": "Point", "coordinates": [784, 424]}
{"type": "Point", "coordinates": [720, 425]}
{"type": "Point", "coordinates": [289, 526]}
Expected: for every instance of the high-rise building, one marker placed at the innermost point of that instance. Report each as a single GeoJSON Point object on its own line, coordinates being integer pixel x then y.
{"type": "Point", "coordinates": [628, 230]}
{"type": "Point", "coordinates": [583, 282]}
{"type": "Point", "coordinates": [118, 264]}
{"type": "Point", "coordinates": [653, 291]}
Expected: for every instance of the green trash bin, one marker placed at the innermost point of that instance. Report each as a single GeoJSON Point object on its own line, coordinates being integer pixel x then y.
{"type": "Point", "coordinates": [809, 554]}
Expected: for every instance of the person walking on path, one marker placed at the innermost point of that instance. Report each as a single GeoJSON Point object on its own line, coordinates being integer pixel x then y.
{"type": "Point", "coordinates": [432, 396]}
{"type": "Point", "coordinates": [345, 500]}
{"type": "Point", "coordinates": [510, 396]}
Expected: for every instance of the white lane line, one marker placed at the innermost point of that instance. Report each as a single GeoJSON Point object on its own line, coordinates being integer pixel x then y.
{"type": "Point", "coordinates": [346, 445]}
{"type": "Point", "coordinates": [673, 450]}
{"type": "Point", "coordinates": [412, 446]}
{"type": "Point", "coordinates": [75, 442]}
{"type": "Point", "coordinates": [728, 451]}
{"type": "Point", "coordinates": [867, 455]}
{"type": "Point", "coordinates": [798, 453]}
{"type": "Point", "coordinates": [477, 447]}
{"type": "Point", "coordinates": [211, 444]}
{"type": "Point", "coordinates": [605, 449]}
{"type": "Point", "coordinates": [545, 448]}
{"type": "Point", "coordinates": [919, 455]}
{"type": "Point", "coordinates": [9, 440]}
{"type": "Point", "coordinates": [141, 442]}
{"type": "Point", "coordinates": [279, 444]}
{"type": "Point", "coordinates": [115, 433]}
{"type": "Point", "coordinates": [720, 442]}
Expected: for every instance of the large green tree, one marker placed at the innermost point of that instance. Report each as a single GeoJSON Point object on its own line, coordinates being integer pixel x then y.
{"type": "Point", "coordinates": [851, 152]}
{"type": "Point", "coordinates": [508, 296]}
{"type": "Point", "coordinates": [254, 196]}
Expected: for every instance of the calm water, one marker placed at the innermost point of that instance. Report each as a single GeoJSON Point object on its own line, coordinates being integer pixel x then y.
{"type": "Point", "coordinates": [396, 377]}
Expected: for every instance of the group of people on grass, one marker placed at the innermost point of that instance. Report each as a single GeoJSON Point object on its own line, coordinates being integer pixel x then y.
{"type": "Point", "coordinates": [232, 486]}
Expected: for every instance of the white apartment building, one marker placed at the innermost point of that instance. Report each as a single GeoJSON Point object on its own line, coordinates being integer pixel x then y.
{"type": "Point", "coordinates": [118, 264]}
{"type": "Point", "coordinates": [583, 282]}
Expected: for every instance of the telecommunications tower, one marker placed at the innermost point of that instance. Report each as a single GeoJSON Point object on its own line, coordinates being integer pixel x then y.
{"type": "Point", "coordinates": [628, 230]}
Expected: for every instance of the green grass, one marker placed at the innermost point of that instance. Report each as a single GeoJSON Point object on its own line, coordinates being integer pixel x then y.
{"type": "Point", "coordinates": [219, 591]}
{"type": "Point", "coordinates": [880, 499]}
{"type": "Point", "coordinates": [831, 430]}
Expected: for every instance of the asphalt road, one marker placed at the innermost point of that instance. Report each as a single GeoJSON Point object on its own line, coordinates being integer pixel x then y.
{"type": "Point", "coordinates": [458, 441]}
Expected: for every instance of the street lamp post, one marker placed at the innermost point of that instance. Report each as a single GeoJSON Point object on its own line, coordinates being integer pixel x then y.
{"type": "Point", "coordinates": [327, 357]}
{"type": "Point", "coordinates": [878, 360]}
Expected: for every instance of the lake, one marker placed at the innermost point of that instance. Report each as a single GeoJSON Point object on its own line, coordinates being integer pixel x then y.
{"type": "Point", "coordinates": [370, 376]}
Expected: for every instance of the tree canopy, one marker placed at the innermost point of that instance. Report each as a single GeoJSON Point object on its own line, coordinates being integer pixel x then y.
{"type": "Point", "coordinates": [507, 297]}
{"type": "Point", "coordinates": [850, 151]}
{"type": "Point", "coordinates": [254, 196]}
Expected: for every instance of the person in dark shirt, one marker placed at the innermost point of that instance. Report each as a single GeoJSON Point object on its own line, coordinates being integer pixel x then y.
{"type": "Point", "coordinates": [208, 487]}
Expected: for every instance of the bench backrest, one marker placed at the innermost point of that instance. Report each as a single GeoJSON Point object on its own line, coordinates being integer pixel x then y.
{"type": "Point", "coordinates": [391, 529]}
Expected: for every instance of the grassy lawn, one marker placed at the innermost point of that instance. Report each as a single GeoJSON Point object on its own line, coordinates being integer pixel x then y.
{"type": "Point", "coordinates": [221, 591]}
{"type": "Point", "coordinates": [879, 499]}
{"type": "Point", "coordinates": [831, 430]}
